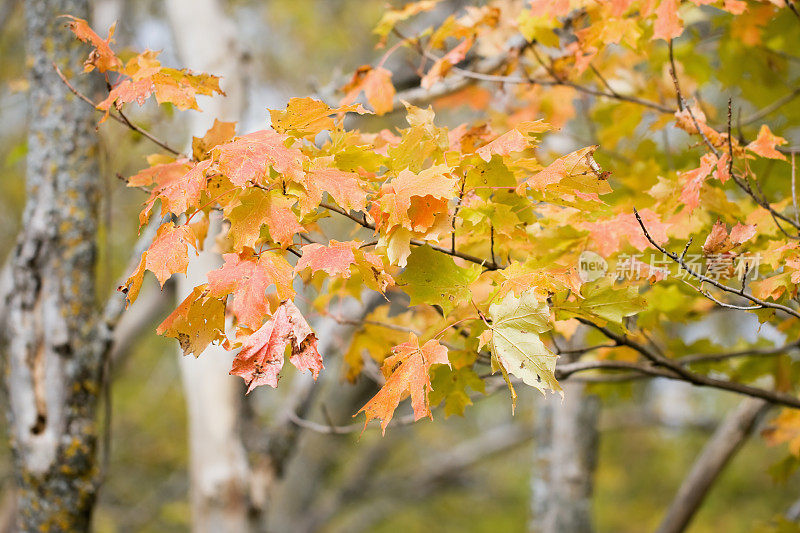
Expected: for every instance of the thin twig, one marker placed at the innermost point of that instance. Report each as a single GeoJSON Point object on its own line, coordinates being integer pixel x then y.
{"type": "Point", "coordinates": [706, 279]}
{"type": "Point", "coordinates": [121, 118]}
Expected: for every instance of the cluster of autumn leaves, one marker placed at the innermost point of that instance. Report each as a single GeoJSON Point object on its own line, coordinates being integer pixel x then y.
{"type": "Point", "coordinates": [467, 222]}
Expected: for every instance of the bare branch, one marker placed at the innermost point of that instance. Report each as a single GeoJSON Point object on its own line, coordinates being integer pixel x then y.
{"type": "Point", "coordinates": [121, 118]}
{"type": "Point", "coordinates": [718, 451]}
{"type": "Point", "coordinates": [712, 281]}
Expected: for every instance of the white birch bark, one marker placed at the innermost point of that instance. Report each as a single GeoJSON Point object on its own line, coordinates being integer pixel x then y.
{"type": "Point", "coordinates": [219, 471]}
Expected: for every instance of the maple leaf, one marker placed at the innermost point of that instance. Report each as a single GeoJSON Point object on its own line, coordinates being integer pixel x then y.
{"type": "Point", "coordinates": [248, 276]}
{"type": "Point", "coordinates": [248, 158]}
{"type": "Point", "coordinates": [179, 87]}
{"type": "Point", "coordinates": [197, 322]}
{"type": "Point", "coordinates": [719, 242]}
{"type": "Point", "coordinates": [610, 235]}
{"type": "Point", "coordinates": [432, 277]}
{"type": "Point", "coordinates": [377, 86]}
{"type": "Point", "coordinates": [515, 343]}
{"type": "Point", "coordinates": [765, 144]}
{"type": "Point", "coordinates": [218, 133]}
{"type": "Point", "coordinates": [668, 24]}
{"type": "Point", "coordinates": [159, 173]}
{"type": "Point", "coordinates": [601, 300]}
{"type": "Point", "coordinates": [785, 428]}
{"type": "Point", "coordinates": [568, 166]}
{"type": "Point", "coordinates": [102, 57]}
{"type": "Point", "coordinates": [125, 92]}
{"type": "Point", "coordinates": [306, 117]}
{"type": "Point", "coordinates": [169, 252]}
{"type": "Point", "coordinates": [407, 373]}
{"type": "Point", "coordinates": [413, 200]}
{"type": "Point", "coordinates": [133, 284]}
{"type": "Point", "coordinates": [442, 66]}
{"type": "Point", "coordinates": [147, 77]}
{"type": "Point", "coordinates": [694, 179]}
{"type": "Point", "coordinates": [515, 140]}
{"type": "Point", "coordinates": [344, 187]}
{"type": "Point", "coordinates": [392, 17]}
{"type": "Point", "coordinates": [334, 259]}
{"type": "Point", "coordinates": [262, 355]}
{"type": "Point", "coordinates": [254, 208]}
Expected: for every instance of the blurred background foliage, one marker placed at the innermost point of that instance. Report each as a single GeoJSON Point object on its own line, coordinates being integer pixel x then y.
{"type": "Point", "coordinates": [650, 433]}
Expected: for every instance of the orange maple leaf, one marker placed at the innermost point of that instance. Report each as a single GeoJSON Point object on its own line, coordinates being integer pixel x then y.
{"type": "Point", "coordinates": [169, 252]}
{"type": "Point", "coordinates": [177, 192]}
{"type": "Point", "coordinates": [248, 276]}
{"type": "Point", "coordinates": [765, 144]}
{"type": "Point", "coordinates": [668, 24]}
{"type": "Point", "coordinates": [610, 235]}
{"type": "Point", "coordinates": [334, 259]}
{"type": "Point", "coordinates": [248, 158]}
{"type": "Point", "coordinates": [407, 372]}
{"type": "Point", "coordinates": [262, 355]}
{"type": "Point", "coordinates": [344, 187]}
{"type": "Point", "coordinates": [377, 86]}
{"type": "Point", "coordinates": [102, 57]}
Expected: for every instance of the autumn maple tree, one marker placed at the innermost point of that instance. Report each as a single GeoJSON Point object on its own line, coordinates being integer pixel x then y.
{"type": "Point", "coordinates": [587, 136]}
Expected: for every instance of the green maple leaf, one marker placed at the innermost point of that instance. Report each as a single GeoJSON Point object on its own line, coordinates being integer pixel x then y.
{"type": "Point", "coordinates": [450, 385]}
{"type": "Point", "coordinates": [432, 277]}
{"type": "Point", "coordinates": [602, 300]}
{"type": "Point", "coordinates": [515, 342]}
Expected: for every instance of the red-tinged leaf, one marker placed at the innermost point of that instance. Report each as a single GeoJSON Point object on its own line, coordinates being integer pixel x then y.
{"type": "Point", "coordinates": [668, 24]}
{"type": "Point", "coordinates": [611, 235]}
{"type": "Point", "coordinates": [717, 241]}
{"type": "Point", "coordinates": [169, 253]}
{"type": "Point", "coordinates": [742, 233]}
{"type": "Point", "coordinates": [262, 355]}
{"type": "Point", "coordinates": [693, 180]}
{"type": "Point", "coordinates": [722, 172]}
{"type": "Point", "coordinates": [126, 92]}
{"type": "Point", "coordinates": [248, 276]}
{"type": "Point", "coordinates": [412, 200]}
{"type": "Point", "coordinates": [160, 173]}
{"type": "Point", "coordinates": [734, 7]}
{"type": "Point", "coordinates": [177, 194]}
{"type": "Point", "coordinates": [344, 187]}
{"type": "Point", "coordinates": [720, 242]}
{"type": "Point", "coordinates": [689, 122]}
{"type": "Point", "coordinates": [197, 322]}
{"type": "Point", "coordinates": [765, 144]}
{"type": "Point", "coordinates": [571, 164]}
{"type": "Point", "coordinates": [254, 208]}
{"type": "Point", "coordinates": [334, 259]}
{"type": "Point", "coordinates": [407, 372]}
{"type": "Point", "coordinates": [248, 158]}
{"type": "Point", "coordinates": [102, 57]}
{"type": "Point", "coordinates": [218, 133]}
{"type": "Point", "coordinates": [442, 66]}
{"type": "Point", "coordinates": [377, 86]}
{"type": "Point", "coordinates": [512, 141]}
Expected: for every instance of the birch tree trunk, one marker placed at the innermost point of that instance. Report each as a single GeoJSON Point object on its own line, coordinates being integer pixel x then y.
{"type": "Point", "coordinates": [219, 470]}
{"type": "Point", "coordinates": [565, 456]}
{"type": "Point", "coordinates": [53, 351]}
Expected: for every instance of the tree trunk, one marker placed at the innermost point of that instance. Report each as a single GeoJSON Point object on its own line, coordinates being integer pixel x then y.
{"type": "Point", "coordinates": [565, 455]}
{"type": "Point", "coordinates": [219, 470]}
{"type": "Point", "coordinates": [53, 348]}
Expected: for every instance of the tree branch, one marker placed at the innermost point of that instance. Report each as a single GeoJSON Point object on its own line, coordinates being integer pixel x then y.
{"type": "Point", "coordinates": [718, 451]}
